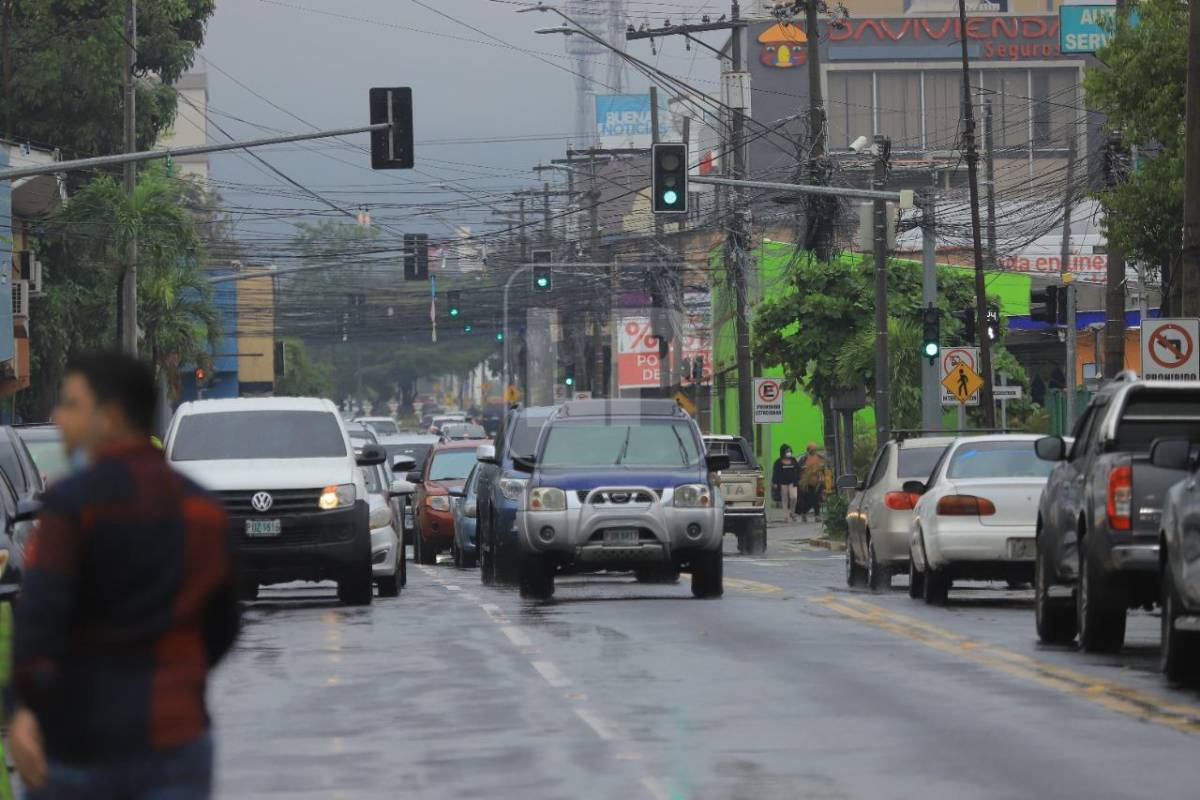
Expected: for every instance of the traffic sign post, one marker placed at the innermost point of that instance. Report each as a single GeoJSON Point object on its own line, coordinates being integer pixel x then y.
{"type": "Point", "coordinates": [1169, 350]}
{"type": "Point", "coordinates": [768, 401]}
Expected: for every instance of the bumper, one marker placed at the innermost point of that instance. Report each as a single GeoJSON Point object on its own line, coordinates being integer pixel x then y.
{"type": "Point", "coordinates": [385, 550]}
{"type": "Point", "coordinates": [665, 533]}
{"type": "Point", "coordinates": [436, 527]}
{"type": "Point", "coordinates": [950, 545]}
{"type": "Point", "coordinates": [1135, 557]}
{"type": "Point", "coordinates": [310, 547]}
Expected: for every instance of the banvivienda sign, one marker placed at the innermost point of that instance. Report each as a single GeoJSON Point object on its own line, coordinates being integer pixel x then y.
{"type": "Point", "coordinates": [993, 38]}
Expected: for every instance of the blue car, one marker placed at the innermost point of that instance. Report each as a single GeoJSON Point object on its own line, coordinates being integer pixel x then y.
{"type": "Point", "coordinates": [621, 485]}
{"type": "Point", "coordinates": [500, 489]}
{"type": "Point", "coordinates": [464, 506]}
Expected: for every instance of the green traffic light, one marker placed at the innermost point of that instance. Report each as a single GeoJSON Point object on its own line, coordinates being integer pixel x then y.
{"type": "Point", "coordinates": [454, 312]}
{"type": "Point", "coordinates": [467, 328]}
{"type": "Point", "coordinates": [670, 197]}
{"type": "Point", "coordinates": [931, 349]}
{"type": "Point", "coordinates": [569, 381]}
{"type": "Point", "coordinates": [543, 282]}
{"type": "Point", "coordinates": [499, 337]}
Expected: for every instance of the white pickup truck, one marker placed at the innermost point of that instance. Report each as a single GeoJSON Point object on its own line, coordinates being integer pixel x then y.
{"type": "Point", "coordinates": [744, 491]}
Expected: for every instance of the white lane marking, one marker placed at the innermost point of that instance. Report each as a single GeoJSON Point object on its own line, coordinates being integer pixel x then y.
{"type": "Point", "coordinates": [553, 675]}
{"type": "Point", "coordinates": [452, 588]}
{"type": "Point", "coordinates": [603, 728]}
{"type": "Point", "coordinates": [471, 596]}
{"type": "Point", "coordinates": [657, 787]}
{"type": "Point", "coordinates": [518, 637]}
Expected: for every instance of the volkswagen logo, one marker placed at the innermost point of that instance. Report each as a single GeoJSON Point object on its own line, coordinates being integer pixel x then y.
{"type": "Point", "coordinates": [262, 501]}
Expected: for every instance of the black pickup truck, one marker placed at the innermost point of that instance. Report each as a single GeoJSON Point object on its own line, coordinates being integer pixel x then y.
{"type": "Point", "coordinates": [1099, 519]}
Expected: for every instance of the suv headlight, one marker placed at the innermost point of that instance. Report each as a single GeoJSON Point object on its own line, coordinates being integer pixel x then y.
{"type": "Point", "coordinates": [547, 498]}
{"type": "Point", "coordinates": [512, 488]}
{"type": "Point", "coordinates": [438, 502]}
{"type": "Point", "coordinates": [693, 495]}
{"type": "Point", "coordinates": [337, 497]}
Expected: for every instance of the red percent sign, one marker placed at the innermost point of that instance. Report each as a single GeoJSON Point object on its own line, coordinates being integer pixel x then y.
{"type": "Point", "coordinates": [640, 336]}
{"type": "Point", "coordinates": [1179, 346]}
{"type": "Point", "coordinates": [768, 391]}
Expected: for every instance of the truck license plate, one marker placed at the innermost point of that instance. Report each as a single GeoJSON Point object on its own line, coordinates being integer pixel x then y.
{"type": "Point", "coordinates": [1022, 549]}
{"type": "Point", "coordinates": [620, 537]}
{"type": "Point", "coordinates": [263, 527]}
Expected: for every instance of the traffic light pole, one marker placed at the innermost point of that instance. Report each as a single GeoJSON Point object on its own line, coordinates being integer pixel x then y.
{"type": "Point", "coordinates": [931, 394]}
{"type": "Point", "coordinates": [1067, 276]}
{"type": "Point", "coordinates": [504, 357]}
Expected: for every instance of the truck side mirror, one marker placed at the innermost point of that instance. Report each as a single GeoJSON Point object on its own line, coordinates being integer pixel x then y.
{"type": "Point", "coordinates": [1050, 448]}
{"type": "Point", "coordinates": [1171, 454]}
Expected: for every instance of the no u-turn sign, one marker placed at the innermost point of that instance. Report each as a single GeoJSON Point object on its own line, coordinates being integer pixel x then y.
{"type": "Point", "coordinates": [1169, 350]}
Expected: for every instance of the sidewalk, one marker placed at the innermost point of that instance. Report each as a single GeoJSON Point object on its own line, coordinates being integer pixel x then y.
{"type": "Point", "coordinates": [810, 533]}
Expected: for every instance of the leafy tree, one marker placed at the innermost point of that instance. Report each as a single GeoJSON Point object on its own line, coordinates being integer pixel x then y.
{"type": "Point", "coordinates": [303, 377]}
{"type": "Point", "coordinates": [63, 62]}
{"type": "Point", "coordinates": [1141, 91]}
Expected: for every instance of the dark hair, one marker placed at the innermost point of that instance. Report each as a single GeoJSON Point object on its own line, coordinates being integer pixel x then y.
{"type": "Point", "coordinates": [119, 380]}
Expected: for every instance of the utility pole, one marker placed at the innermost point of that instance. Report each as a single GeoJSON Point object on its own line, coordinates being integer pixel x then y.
{"type": "Point", "coordinates": [524, 237]}
{"type": "Point", "coordinates": [987, 400]}
{"type": "Point", "coordinates": [818, 167]}
{"type": "Point", "coordinates": [1114, 289]}
{"type": "Point", "coordinates": [931, 394]}
{"type": "Point", "coordinates": [127, 302]}
{"type": "Point", "coordinates": [546, 223]}
{"type": "Point", "coordinates": [989, 166]}
{"type": "Point", "coordinates": [883, 413]}
{"type": "Point", "coordinates": [1068, 279]}
{"type": "Point", "coordinates": [735, 260]}
{"type": "Point", "coordinates": [1189, 266]}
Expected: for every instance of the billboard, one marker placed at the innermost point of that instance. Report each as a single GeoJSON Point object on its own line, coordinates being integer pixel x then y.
{"type": "Point", "coordinates": [637, 350]}
{"type": "Point", "coordinates": [1085, 29]}
{"type": "Point", "coordinates": [624, 121]}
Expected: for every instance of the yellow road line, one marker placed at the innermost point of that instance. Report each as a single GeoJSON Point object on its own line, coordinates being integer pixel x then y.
{"type": "Point", "coordinates": [1113, 696]}
{"type": "Point", "coordinates": [757, 587]}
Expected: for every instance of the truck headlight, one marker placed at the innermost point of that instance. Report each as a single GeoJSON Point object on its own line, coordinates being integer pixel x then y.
{"type": "Point", "coordinates": [337, 497]}
{"type": "Point", "coordinates": [512, 488]}
{"type": "Point", "coordinates": [693, 495]}
{"type": "Point", "coordinates": [547, 498]}
{"type": "Point", "coordinates": [438, 502]}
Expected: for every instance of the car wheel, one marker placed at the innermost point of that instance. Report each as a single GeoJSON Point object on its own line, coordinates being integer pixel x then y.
{"type": "Point", "coordinates": [403, 565]}
{"type": "Point", "coordinates": [879, 577]}
{"type": "Point", "coordinates": [469, 561]}
{"type": "Point", "coordinates": [916, 580]}
{"type": "Point", "coordinates": [425, 553]}
{"type": "Point", "coordinates": [1055, 618]}
{"type": "Point", "coordinates": [1180, 649]}
{"type": "Point", "coordinates": [937, 586]}
{"type": "Point", "coordinates": [659, 574]}
{"type": "Point", "coordinates": [708, 573]}
{"type": "Point", "coordinates": [248, 590]}
{"type": "Point", "coordinates": [389, 586]}
{"type": "Point", "coordinates": [357, 590]}
{"type": "Point", "coordinates": [536, 577]}
{"type": "Point", "coordinates": [856, 576]}
{"type": "Point", "coordinates": [455, 555]}
{"type": "Point", "coordinates": [1100, 617]}
{"type": "Point", "coordinates": [758, 538]}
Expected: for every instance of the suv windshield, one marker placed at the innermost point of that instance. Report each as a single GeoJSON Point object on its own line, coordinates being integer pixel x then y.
{"type": "Point", "coordinates": [451, 465]}
{"type": "Point", "coordinates": [998, 460]}
{"type": "Point", "coordinates": [619, 442]}
{"type": "Point", "coordinates": [240, 435]}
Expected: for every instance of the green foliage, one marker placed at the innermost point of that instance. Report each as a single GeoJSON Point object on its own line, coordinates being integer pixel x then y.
{"type": "Point", "coordinates": [67, 60]}
{"type": "Point", "coordinates": [855, 363]}
{"type": "Point", "coordinates": [303, 377]}
{"type": "Point", "coordinates": [1142, 93]}
{"type": "Point", "coordinates": [833, 516]}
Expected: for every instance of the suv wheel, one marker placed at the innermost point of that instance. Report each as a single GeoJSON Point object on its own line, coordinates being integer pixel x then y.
{"type": "Point", "coordinates": [536, 577]}
{"type": "Point", "coordinates": [1055, 618]}
{"type": "Point", "coordinates": [856, 576]}
{"type": "Point", "coordinates": [1180, 649]}
{"type": "Point", "coordinates": [1100, 616]}
{"type": "Point", "coordinates": [357, 590]}
{"type": "Point", "coordinates": [916, 580]}
{"type": "Point", "coordinates": [708, 573]}
{"type": "Point", "coordinates": [879, 577]}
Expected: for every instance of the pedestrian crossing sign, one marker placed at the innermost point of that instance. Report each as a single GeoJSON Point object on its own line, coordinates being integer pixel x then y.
{"type": "Point", "coordinates": [962, 382]}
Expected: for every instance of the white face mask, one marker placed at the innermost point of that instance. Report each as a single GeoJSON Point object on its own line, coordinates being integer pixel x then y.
{"type": "Point", "coordinates": [787, 453]}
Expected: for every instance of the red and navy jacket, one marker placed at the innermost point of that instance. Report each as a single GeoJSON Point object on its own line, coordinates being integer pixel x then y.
{"type": "Point", "coordinates": [128, 599]}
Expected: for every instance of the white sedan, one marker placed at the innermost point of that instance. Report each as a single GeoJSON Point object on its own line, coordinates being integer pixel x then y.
{"type": "Point", "coordinates": [977, 516]}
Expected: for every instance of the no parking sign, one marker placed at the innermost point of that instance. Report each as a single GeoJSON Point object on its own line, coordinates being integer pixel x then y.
{"type": "Point", "coordinates": [1169, 351]}
{"type": "Point", "coordinates": [768, 401]}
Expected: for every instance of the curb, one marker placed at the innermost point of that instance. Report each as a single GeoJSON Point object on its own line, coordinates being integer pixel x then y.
{"type": "Point", "coordinates": [826, 544]}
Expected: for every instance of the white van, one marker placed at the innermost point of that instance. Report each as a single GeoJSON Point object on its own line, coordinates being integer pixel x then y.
{"type": "Point", "coordinates": [287, 473]}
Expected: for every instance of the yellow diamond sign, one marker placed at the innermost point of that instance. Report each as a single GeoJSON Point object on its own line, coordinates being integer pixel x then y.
{"type": "Point", "coordinates": [962, 382]}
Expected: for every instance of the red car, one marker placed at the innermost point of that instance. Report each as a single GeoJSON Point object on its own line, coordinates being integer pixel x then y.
{"type": "Point", "coordinates": [446, 467]}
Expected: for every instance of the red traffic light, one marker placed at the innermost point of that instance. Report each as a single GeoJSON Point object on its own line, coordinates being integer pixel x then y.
{"type": "Point", "coordinates": [199, 374]}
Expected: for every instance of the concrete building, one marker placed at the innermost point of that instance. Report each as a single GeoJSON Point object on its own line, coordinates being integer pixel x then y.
{"type": "Point", "coordinates": [191, 125]}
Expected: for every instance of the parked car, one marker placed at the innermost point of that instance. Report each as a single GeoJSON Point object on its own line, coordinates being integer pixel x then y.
{"type": "Point", "coordinates": [744, 490]}
{"type": "Point", "coordinates": [976, 518]}
{"type": "Point", "coordinates": [14, 513]}
{"type": "Point", "coordinates": [465, 507]}
{"type": "Point", "coordinates": [1180, 557]}
{"type": "Point", "coordinates": [879, 516]}
{"type": "Point", "coordinates": [446, 469]}
{"type": "Point", "coordinates": [26, 479]}
{"type": "Point", "coordinates": [381, 426]}
{"type": "Point", "coordinates": [1100, 518]}
{"type": "Point", "coordinates": [455, 431]}
{"type": "Point", "coordinates": [501, 488]}
{"type": "Point", "coordinates": [388, 563]}
{"type": "Point", "coordinates": [46, 447]}
{"type": "Point", "coordinates": [621, 484]}
{"type": "Point", "coordinates": [286, 472]}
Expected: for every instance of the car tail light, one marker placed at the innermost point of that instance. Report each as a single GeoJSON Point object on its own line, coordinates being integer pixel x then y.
{"type": "Point", "coordinates": [965, 505]}
{"type": "Point", "coordinates": [1120, 498]}
{"type": "Point", "coordinates": [760, 488]}
{"type": "Point", "coordinates": [900, 501]}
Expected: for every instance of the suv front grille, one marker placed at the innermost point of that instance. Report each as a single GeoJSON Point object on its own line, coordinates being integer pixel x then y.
{"type": "Point", "coordinates": [283, 501]}
{"type": "Point", "coordinates": [618, 496]}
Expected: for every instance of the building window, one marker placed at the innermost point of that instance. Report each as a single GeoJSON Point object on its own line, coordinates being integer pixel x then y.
{"type": "Point", "coordinates": [943, 109]}
{"type": "Point", "coordinates": [899, 94]}
{"type": "Point", "coordinates": [1053, 106]}
{"type": "Point", "coordinates": [1008, 89]}
{"type": "Point", "coordinates": [849, 109]}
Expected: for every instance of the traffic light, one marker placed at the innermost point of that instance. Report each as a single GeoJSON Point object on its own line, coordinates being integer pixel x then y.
{"type": "Point", "coordinates": [543, 278]}
{"type": "Point", "coordinates": [569, 375]}
{"type": "Point", "coordinates": [993, 324]}
{"type": "Point", "coordinates": [468, 327]}
{"type": "Point", "coordinates": [1045, 303]}
{"type": "Point", "coordinates": [967, 318]}
{"type": "Point", "coordinates": [200, 375]}
{"type": "Point", "coordinates": [669, 178]}
{"type": "Point", "coordinates": [931, 327]}
{"type": "Point", "coordinates": [392, 148]}
{"type": "Point", "coordinates": [452, 303]}
{"type": "Point", "coordinates": [499, 336]}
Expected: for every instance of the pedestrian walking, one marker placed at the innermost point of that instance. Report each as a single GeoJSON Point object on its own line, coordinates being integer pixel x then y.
{"type": "Point", "coordinates": [785, 477]}
{"type": "Point", "coordinates": [128, 601]}
{"type": "Point", "coordinates": [812, 482]}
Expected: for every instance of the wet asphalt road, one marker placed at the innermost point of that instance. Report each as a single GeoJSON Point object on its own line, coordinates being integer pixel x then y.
{"type": "Point", "coordinates": [791, 686]}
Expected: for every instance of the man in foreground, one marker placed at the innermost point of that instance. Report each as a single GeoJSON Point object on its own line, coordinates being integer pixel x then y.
{"type": "Point", "coordinates": [128, 601]}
